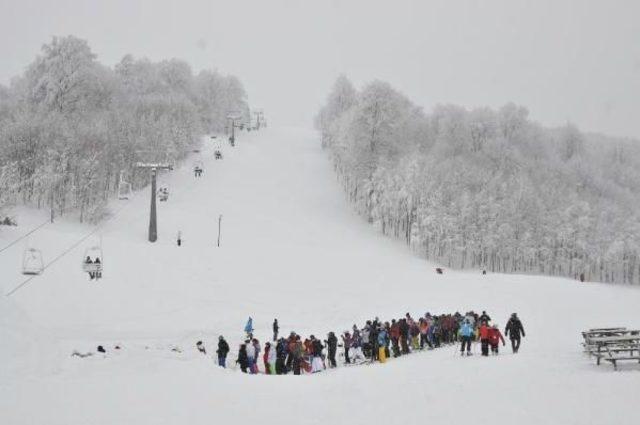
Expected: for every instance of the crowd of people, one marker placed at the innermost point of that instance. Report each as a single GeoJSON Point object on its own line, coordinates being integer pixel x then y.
{"type": "Point", "coordinates": [376, 341]}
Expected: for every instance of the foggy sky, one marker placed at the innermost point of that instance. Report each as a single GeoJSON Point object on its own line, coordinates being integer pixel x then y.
{"type": "Point", "coordinates": [576, 61]}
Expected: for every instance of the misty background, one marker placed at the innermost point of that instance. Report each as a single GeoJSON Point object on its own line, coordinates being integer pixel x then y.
{"type": "Point", "coordinates": [566, 61]}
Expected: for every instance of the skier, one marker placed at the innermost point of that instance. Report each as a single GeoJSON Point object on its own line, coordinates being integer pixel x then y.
{"type": "Point", "coordinates": [275, 329]}
{"type": "Point", "coordinates": [494, 338]}
{"type": "Point", "coordinates": [404, 335]}
{"type": "Point", "coordinates": [272, 358]}
{"type": "Point", "coordinates": [200, 347]}
{"type": "Point", "coordinates": [484, 338]}
{"type": "Point", "coordinates": [281, 356]}
{"type": "Point", "coordinates": [332, 346]}
{"type": "Point", "coordinates": [297, 352]}
{"type": "Point", "coordinates": [514, 330]}
{"type": "Point", "coordinates": [223, 349]}
{"type": "Point", "coordinates": [88, 261]}
{"type": "Point", "coordinates": [98, 273]}
{"type": "Point", "coordinates": [466, 333]}
{"type": "Point", "coordinates": [243, 359]}
{"type": "Point", "coordinates": [179, 239]}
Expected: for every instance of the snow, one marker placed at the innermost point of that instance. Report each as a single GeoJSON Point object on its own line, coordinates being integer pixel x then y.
{"type": "Point", "coordinates": [291, 248]}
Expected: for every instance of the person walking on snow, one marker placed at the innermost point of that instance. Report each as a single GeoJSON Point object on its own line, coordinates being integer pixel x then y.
{"type": "Point", "coordinates": [276, 328]}
{"type": "Point", "coordinates": [250, 351]}
{"type": "Point", "coordinates": [514, 330]}
{"type": "Point", "coordinates": [494, 338]}
{"type": "Point", "coordinates": [265, 358]}
{"type": "Point", "coordinates": [223, 350]}
{"type": "Point", "coordinates": [466, 334]}
{"type": "Point", "coordinates": [485, 317]}
{"type": "Point", "coordinates": [484, 338]}
{"type": "Point", "coordinates": [346, 342]}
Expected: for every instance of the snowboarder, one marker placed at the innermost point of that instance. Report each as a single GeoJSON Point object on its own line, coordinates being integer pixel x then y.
{"type": "Point", "coordinates": [466, 333]}
{"type": "Point", "coordinates": [495, 336]}
{"type": "Point", "coordinates": [200, 347]}
{"type": "Point", "coordinates": [276, 328]}
{"type": "Point", "coordinates": [332, 347]}
{"type": "Point", "coordinates": [223, 350]}
{"type": "Point", "coordinates": [514, 330]}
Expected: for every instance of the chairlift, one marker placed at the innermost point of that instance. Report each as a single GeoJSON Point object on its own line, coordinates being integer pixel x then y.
{"type": "Point", "coordinates": [93, 260]}
{"type": "Point", "coordinates": [32, 262]}
{"type": "Point", "coordinates": [124, 189]}
{"type": "Point", "coordinates": [218, 154]}
{"type": "Point", "coordinates": [163, 194]}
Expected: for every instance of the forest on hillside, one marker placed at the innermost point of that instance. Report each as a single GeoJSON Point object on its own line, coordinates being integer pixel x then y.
{"type": "Point", "coordinates": [71, 126]}
{"type": "Point", "coordinates": [487, 189]}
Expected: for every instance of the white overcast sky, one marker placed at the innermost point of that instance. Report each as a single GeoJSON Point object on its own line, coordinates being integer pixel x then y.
{"type": "Point", "coordinates": [565, 60]}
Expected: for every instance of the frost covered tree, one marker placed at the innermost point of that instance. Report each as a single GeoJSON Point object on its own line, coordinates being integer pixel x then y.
{"type": "Point", "coordinates": [487, 189]}
{"type": "Point", "coordinates": [69, 125]}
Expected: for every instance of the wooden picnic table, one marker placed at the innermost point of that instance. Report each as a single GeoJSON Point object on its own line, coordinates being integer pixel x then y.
{"type": "Point", "coordinates": [615, 343]}
{"type": "Point", "coordinates": [601, 333]}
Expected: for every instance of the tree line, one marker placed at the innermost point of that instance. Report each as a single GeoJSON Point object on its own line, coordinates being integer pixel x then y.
{"type": "Point", "coordinates": [71, 126]}
{"type": "Point", "coordinates": [487, 189]}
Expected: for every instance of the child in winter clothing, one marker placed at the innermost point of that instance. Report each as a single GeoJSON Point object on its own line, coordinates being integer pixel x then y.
{"type": "Point", "coordinates": [494, 338]}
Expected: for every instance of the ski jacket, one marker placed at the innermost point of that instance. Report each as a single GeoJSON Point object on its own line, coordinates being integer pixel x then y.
{"type": "Point", "coordinates": [251, 352]}
{"type": "Point", "coordinates": [382, 338]}
{"type": "Point", "coordinates": [484, 332]}
{"type": "Point", "coordinates": [332, 343]}
{"type": "Point", "coordinates": [394, 332]}
{"type": "Point", "coordinates": [223, 348]}
{"type": "Point", "coordinates": [466, 330]}
{"type": "Point", "coordinates": [495, 336]}
{"type": "Point", "coordinates": [485, 318]}
{"type": "Point", "coordinates": [514, 328]}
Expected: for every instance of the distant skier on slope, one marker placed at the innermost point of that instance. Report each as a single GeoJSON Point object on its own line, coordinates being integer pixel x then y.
{"type": "Point", "coordinates": [514, 330]}
{"type": "Point", "coordinates": [248, 328]}
{"type": "Point", "coordinates": [276, 328]}
{"type": "Point", "coordinates": [243, 359]}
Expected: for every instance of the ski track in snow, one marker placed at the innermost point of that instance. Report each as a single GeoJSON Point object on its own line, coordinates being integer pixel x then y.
{"type": "Point", "coordinates": [291, 248]}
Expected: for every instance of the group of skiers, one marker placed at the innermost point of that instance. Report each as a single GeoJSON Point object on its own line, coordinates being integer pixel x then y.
{"type": "Point", "coordinates": [375, 341]}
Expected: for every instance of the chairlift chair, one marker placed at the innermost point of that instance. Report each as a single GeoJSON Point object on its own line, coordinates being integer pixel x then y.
{"type": "Point", "coordinates": [92, 254]}
{"type": "Point", "coordinates": [124, 189]}
{"type": "Point", "coordinates": [32, 262]}
{"type": "Point", "coordinates": [163, 194]}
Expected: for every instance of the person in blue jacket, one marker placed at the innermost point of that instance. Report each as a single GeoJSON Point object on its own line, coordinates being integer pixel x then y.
{"type": "Point", "coordinates": [466, 334]}
{"type": "Point", "coordinates": [383, 340]}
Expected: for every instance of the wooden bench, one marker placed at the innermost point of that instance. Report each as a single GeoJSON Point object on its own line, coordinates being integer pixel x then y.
{"type": "Point", "coordinates": [613, 357]}
{"type": "Point", "coordinates": [605, 347]}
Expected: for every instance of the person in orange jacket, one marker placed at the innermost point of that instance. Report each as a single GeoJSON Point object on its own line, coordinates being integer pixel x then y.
{"type": "Point", "coordinates": [483, 332]}
{"type": "Point", "coordinates": [495, 336]}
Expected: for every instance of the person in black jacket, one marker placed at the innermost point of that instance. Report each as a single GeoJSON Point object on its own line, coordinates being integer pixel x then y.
{"type": "Point", "coordinates": [514, 330]}
{"type": "Point", "coordinates": [404, 335]}
{"type": "Point", "coordinates": [243, 360]}
{"type": "Point", "coordinates": [332, 347]}
{"type": "Point", "coordinates": [276, 328]}
{"type": "Point", "coordinates": [485, 317]}
{"type": "Point", "coordinates": [223, 350]}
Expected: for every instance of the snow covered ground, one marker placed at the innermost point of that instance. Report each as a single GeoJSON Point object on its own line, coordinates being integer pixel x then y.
{"type": "Point", "coordinates": [291, 248]}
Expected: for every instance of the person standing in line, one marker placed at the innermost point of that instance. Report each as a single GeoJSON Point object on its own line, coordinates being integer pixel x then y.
{"type": "Point", "coordinates": [514, 330]}
{"type": "Point", "coordinates": [484, 338]}
{"type": "Point", "coordinates": [332, 347]}
{"type": "Point", "coordinates": [382, 344]}
{"type": "Point", "coordinates": [223, 350]}
{"type": "Point", "coordinates": [243, 359]}
{"type": "Point", "coordinates": [494, 339]}
{"type": "Point", "coordinates": [466, 334]}
{"type": "Point", "coordinates": [346, 342]}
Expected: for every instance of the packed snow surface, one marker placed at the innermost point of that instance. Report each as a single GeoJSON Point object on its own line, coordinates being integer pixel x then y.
{"type": "Point", "coordinates": [291, 248]}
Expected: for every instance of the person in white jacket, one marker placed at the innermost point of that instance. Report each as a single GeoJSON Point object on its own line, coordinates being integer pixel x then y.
{"type": "Point", "coordinates": [251, 355]}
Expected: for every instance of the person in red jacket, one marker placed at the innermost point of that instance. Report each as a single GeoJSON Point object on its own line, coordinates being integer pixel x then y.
{"type": "Point", "coordinates": [495, 336]}
{"type": "Point", "coordinates": [484, 338]}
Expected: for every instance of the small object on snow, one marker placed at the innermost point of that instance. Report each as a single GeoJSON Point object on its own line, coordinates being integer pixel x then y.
{"type": "Point", "coordinates": [200, 347]}
{"type": "Point", "coordinates": [439, 270]}
{"type": "Point", "coordinates": [81, 355]}
{"type": "Point", "coordinates": [101, 349]}
{"type": "Point", "coordinates": [117, 347]}
{"type": "Point", "coordinates": [176, 350]}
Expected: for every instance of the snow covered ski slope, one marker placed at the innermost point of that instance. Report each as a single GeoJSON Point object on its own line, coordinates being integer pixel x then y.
{"type": "Point", "coordinates": [290, 248]}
